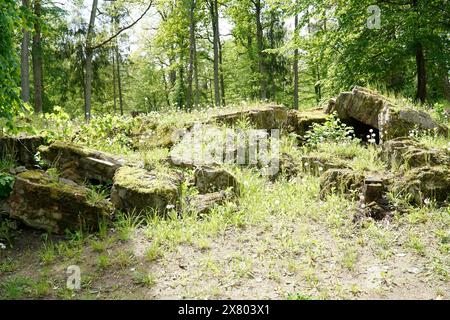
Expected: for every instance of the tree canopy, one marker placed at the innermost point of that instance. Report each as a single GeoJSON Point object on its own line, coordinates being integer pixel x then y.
{"type": "Point", "coordinates": [120, 56]}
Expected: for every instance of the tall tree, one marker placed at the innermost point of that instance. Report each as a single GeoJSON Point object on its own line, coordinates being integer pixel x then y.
{"type": "Point", "coordinates": [24, 61]}
{"type": "Point", "coordinates": [89, 51]}
{"type": "Point", "coordinates": [9, 71]}
{"type": "Point", "coordinates": [216, 43]}
{"type": "Point", "coordinates": [222, 78]}
{"type": "Point", "coordinates": [421, 94]}
{"type": "Point", "coordinates": [113, 54]}
{"type": "Point", "coordinates": [118, 75]}
{"type": "Point", "coordinates": [296, 51]}
{"type": "Point", "coordinates": [260, 46]}
{"type": "Point", "coordinates": [192, 53]}
{"type": "Point", "coordinates": [36, 53]}
{"type": "Point", "coordinates": [88, 62]}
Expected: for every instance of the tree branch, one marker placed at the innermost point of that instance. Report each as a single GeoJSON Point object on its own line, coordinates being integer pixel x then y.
{"type": "Point", "coordinates": [123, 29]}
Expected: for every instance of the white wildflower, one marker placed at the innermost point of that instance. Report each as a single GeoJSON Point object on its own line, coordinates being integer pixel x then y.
{"type": "Point", "coordinates": [170, 206]}
{"type": "Point", "coordinates": [2, 246]}
{"type": "Point", "coordinates": [371, 130]}
{"type": "Point", "coordinates": [426, 201]}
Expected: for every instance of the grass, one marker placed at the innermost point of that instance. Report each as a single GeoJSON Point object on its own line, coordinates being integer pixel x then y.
{"type": "Point", "coordinates": [48, 254]}
{"type": "Point", "coordinates": [431, 140]}
{"type": "Point", "coordinates": [8, 265]}
{"type": "Point", "coordinates": [123, 259]}
{"type": "Point", "coordinates": [154, 252]}
{"type": "Point", "coordinates": [277, 237]}
{"type": "Point", "coordinates": [103, 262]}
{"type": "Point", "coordinates": [99, 246]}
{"type": "Point", "coordinates": [350, 258]}
{"type": "Point", "coordinates": [415, 242]}
{"type": "Point", "coordinates": [144, 279]}
{"type": "Point", "coordinates": [96, 196]}
{"type": "Point", "coordinates": [126, 224]}
{"type": "Point", "coordinates": [16, 287]}
{"type": "Point", "coordinates": [299, 296]}
{"type": "Point", "coordinates": [360, 158]}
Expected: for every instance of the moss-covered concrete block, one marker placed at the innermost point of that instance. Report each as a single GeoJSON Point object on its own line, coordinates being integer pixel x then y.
{"type": "Point", "coordinates": [79, 163]}
{"type": "Point", "coordinates": [317, 165]}
{"type": "Point", "coordinates": [264, 117]}
{"type": "Point", "coordinates": [341, 181]}
{"type": "Point", "coordinates": [405, 153]}
{"type": "Point", "coordinates": [212, 179]}
{"type": "Point", "coordinates": [204, 203]}
{"type": "Point", "coordinates": [379, 112]}
{"type": "Point", "coordinates": [53, 204]}
{"type": "Point", "coordinates": [299, 122]}
{"type": "Point", "coordinates": [395, 121]}
{"type": "Point", "coordinates": [419, 184]}
{"type": "Point", "coordinates": [142, 190]}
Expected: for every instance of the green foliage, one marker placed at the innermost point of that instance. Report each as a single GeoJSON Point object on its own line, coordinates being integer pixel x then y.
{"type": "Point", "coordinates": [96, 195]}
{"type": "Point", "coordinates": [299, 296]}
{"type": "Point", "coordinates": [442, 112]}
{"type": "Point", "coordinates": [110, 132]}
{"type": "Point", "coordinates": [6, 184]}
{"type": "Point", "coordinates": [9, 66]}
{"type": "Point", "coordinates": [7, 232]}
{"type": "Point", "coordinates": [333, 130]}
{"type": "Point", "coordinates": [56, 124]}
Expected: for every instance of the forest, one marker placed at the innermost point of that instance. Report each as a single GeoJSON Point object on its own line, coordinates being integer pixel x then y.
{"type": "Point", "coordinates": [224, 149]}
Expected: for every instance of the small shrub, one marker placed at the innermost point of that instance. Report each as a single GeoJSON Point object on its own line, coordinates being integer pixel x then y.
{"type": "Point", "coordinates": [6, 185]}
{"type": "Point", "coordinates": [332, 130]}
{"type": "Point", "coordinates": [442, 112]}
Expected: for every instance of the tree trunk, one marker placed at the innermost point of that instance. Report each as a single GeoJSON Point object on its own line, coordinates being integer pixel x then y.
{"type": "Point", "coordinates": [214, 21]}
{"type": "Point", "coordinates": [222, 81]}
{"type": "Point", "coordinates": [317, 86]}
{"type": "Point", "coordinates": [219, 43]}
{"type": "Point", "coordinates": [24, 62]}
{"type": "Point", "coordinates": [189, 96]}
{"type": "Point", "coordinates": [296, 106]}
{"type": "Point", "coordinates": [273, 62]}
{"type": "Point", "coordinates": [88, 63]}
{"type": "Point", "coordinates": [113, 55]}
{"type": "Point", "coordinates": [36, 52]}
{"type": "Point", "coordinates": [421, 94]}
{"type": "Point", "coordinates": [114, 81]}
{"type": "Point", "coordinates": [446, 85]}
{"type": "Point", "coordinates": [421, 74]}
{"type": "Point", "coordinates": [119, 78]}
{"type": "Point", "coordinates": [260, 44]}
{"type": "Point", "coordinates": [197, 89]}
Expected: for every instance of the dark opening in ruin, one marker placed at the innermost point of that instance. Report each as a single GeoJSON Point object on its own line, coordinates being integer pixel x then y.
{"type": "Point", "coordinates": [363, 131]}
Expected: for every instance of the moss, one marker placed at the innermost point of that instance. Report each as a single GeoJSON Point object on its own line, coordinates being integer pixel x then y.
{"type": "Point", "coordinates": [340, 181]}
{"type": "Point", "coordinates": [72, 148]}
{"type": "Point", "coordinates": [139, 190]}
{"type": "Point", "coordinates": [143, 181]}
{"type": "Point", "coordinates": [301, 122]}
{"type": "Point", "coordinates": [32, 175]}
{"type": "Point", "coordinates": [41, 178]}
